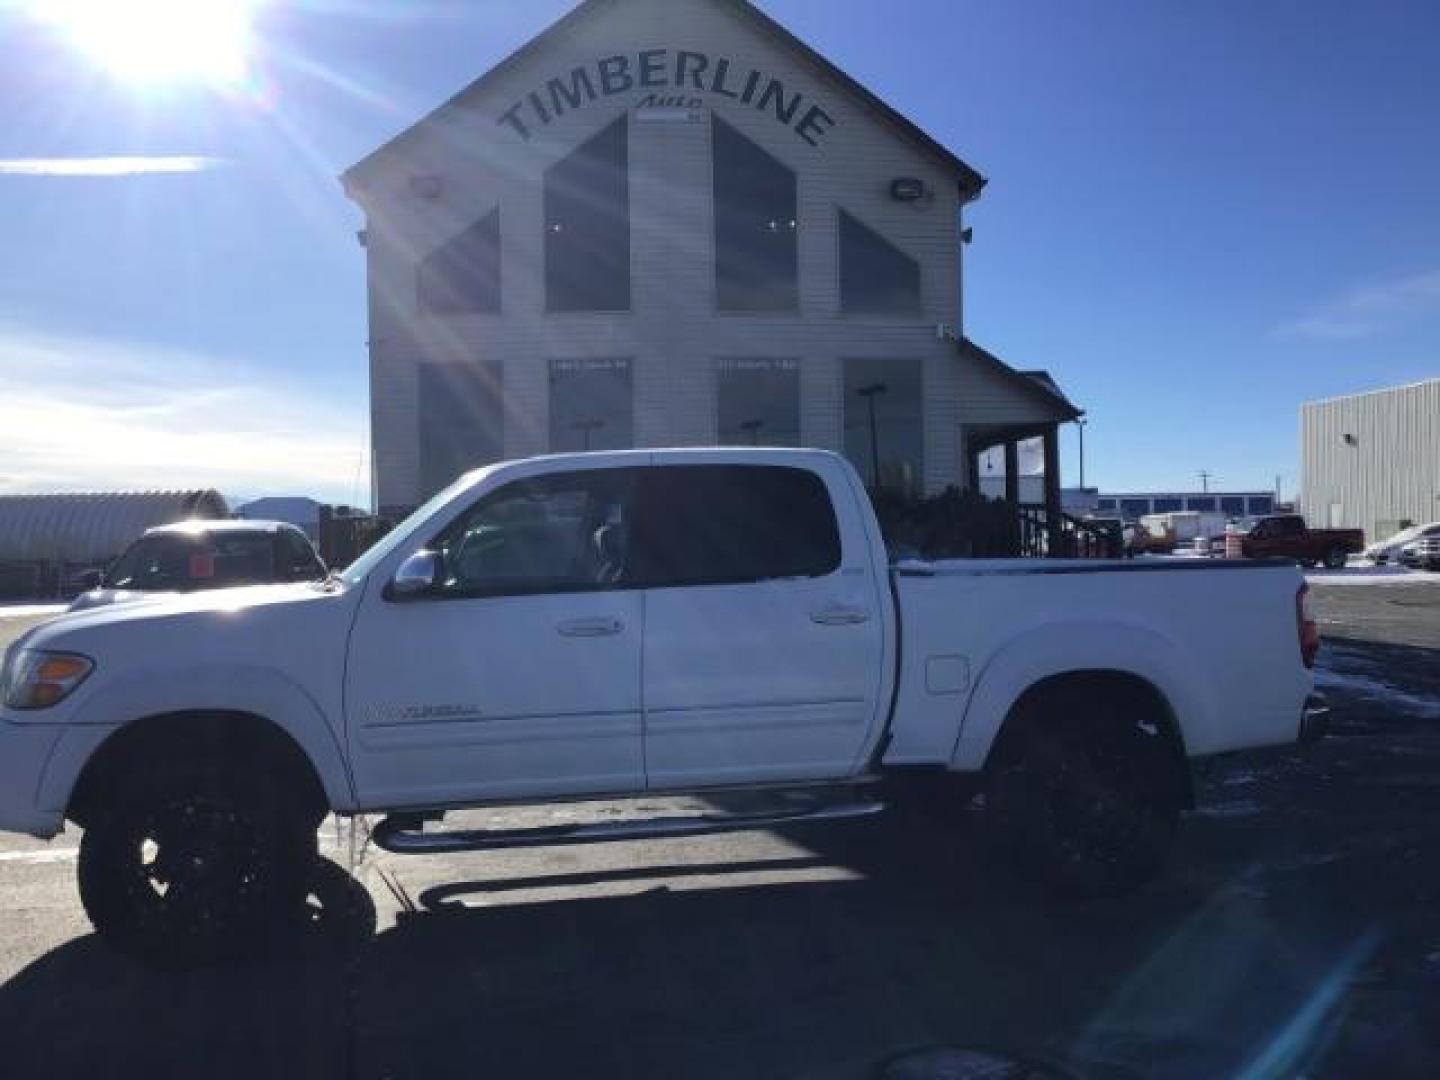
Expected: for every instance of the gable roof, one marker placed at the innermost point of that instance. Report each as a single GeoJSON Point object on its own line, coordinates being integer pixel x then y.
{"type": "Point", "coordinates": [970, 181]}
{"type": "Point", "coordinates": [1036, 384]}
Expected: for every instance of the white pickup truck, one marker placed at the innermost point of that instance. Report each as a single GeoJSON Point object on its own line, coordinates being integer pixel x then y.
{"type": "Point", "coordinates": [619, 624]}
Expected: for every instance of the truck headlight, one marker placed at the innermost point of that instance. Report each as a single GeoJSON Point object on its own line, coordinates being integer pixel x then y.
{"type": "Point", "coordinates": [36, 680]}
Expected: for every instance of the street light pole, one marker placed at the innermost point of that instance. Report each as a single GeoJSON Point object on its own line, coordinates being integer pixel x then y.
{"type": "Point", "coordinates": [1080, 423]}
{"type": "Point", "coordinates": [585, 427]}
{"type": "Point", "coordinates": [869, 393]}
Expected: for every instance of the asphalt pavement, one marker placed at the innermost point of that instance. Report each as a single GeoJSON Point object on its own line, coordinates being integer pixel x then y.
{"type": "Point", "coordinates": [1295, 930]}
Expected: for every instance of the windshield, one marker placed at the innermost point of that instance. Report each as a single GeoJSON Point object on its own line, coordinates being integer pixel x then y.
{"type": "Point", "coordinates": [357, 570]}
{"type": "Point", "coordinates": [171, 561]}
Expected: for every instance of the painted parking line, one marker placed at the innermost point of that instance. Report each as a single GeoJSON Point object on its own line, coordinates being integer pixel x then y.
{"type": "Point", "coordinates": [43, 855]}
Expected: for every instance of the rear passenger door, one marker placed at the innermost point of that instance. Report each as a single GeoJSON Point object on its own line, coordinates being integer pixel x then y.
{"type": "Point", "coordinates": [763, 627]}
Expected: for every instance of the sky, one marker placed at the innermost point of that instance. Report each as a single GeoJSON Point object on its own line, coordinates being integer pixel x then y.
{"type": "Point", "coordinates": [1197, 217]}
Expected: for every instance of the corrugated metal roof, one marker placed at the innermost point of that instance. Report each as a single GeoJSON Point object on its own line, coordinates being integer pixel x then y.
{"type": "Point", "coordinates": [92, 526]}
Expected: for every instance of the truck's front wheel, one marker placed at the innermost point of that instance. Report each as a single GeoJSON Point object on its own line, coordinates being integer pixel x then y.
{"type": "Point", "coordinates": [1335, 558]}
{"type": "Point", "coordinates": [193, 865]}
{"type": "Point", "coordinates": [1091, 819]}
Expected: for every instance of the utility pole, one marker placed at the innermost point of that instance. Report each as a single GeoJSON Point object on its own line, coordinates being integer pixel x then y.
{"type": "Point", "coordinates": [1080, 423]}
{"type": "Point", "coordinates": [869, 393]}
{"type": "Point", "coordinates": [1205, 481]}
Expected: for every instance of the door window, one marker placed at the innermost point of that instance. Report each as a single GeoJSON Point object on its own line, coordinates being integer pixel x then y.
{"type": "Point", "coordinates": [563, 533]}
{"type": "Point", "coordinates": [725, 524]}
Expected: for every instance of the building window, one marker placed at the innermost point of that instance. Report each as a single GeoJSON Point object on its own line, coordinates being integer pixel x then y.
{"type": "Point", "coordinates": [732, 524]}
{"type": "Point", "coordinates": [756, 255]}
{"type": "Point", "coordinates": [463, 274]}
{"type": "Point", "coordinates": [1261, 504]}
{"type": "Point", "coordinates": [1134, 509]}
{"type": "Point", "coordinates": [1167, 506]}
{"type": "Point", "coordinates": [1206, 502]}
{"type": "Point", "coordinates": [461, 419]}
{"type": "Point", "coordinates": [1234, 505]}
{"type": "Point", "coordinates": [884, 429]}
{"type": "Point", "coordinates": [876, 277]}
{"type": "Point", "coordinates": [587, 225]}
{"type": "Point", "coordinates": [591, 404]}
{"type": "Point", "coordinates": [1104, 504]}
{"type": "Point", "coordinates": [758, 402]}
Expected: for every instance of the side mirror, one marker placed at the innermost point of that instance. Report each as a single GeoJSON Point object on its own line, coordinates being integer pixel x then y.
{"type": "Point", "coordinates": [418, 575]}
{"type": "Point", "coordinates": [92, 579]}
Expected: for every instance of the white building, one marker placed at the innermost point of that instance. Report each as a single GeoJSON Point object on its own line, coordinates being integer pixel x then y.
{"type": "Point", "coordinates": [670, 222]}
{"type": "Point", "coordinates": [1372, 461]}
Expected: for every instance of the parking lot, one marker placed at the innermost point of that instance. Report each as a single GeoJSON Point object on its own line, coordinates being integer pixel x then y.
{"type": "Point", "coordinates": [1296, 929]}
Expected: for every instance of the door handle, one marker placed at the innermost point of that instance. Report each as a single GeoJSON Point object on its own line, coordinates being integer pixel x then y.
{"type": "Point", "coordinates": [599, 626]}
{"type": "Point", "coordinates": [840, 615]}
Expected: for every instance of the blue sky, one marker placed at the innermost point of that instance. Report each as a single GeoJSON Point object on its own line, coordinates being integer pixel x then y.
{"type": "Point", "coordinates": [1199, 215]}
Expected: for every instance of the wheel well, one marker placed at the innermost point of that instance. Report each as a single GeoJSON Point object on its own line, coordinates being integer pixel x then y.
{"type": "Point", "coordinates": [1097, 705]}
{"type": "Point", "coordinates": [239, 740]}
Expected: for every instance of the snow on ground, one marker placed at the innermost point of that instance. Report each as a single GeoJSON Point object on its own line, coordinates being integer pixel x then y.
{"type": "Point", "coordinates": [1423, 706]}
{"type": "Point", "coordinates": [1365, 573]}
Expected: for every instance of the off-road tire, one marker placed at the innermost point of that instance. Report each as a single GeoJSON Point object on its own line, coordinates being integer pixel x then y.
{"type": "Point", "coordinates": [1085, 819]}
{"type": "Point", "coordinates": [196, 863]}
{"type": "Point", "coordinates": [1335, 559]}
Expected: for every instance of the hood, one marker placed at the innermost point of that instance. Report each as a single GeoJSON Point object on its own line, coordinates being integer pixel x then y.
{"type": "Point", "coordinates": [75, 628]}
{"type": "Point", "coordinates": [105, 597]}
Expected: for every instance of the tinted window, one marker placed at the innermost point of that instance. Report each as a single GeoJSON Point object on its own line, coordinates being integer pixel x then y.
{"type": "Point", "coordinates": [1167, 506]}
{"type": "Point", "coordinates": [461, 419]}
{"type": "Point", "coordinates": [755, 226]}
{"type": "Point", "coordinates": [1233, 504]}
{"type": "Point", "coordinates": [1200, 502]}
{"type": "Point", "coordinates": [876, 277]}
{"type": "Point", "coordinates": [1105, 504]}
{"type": "Point", "coordinates": [587, 225]}
{"type": "Point", "coordinates": [203, 561]}
{"type": "Point", "coordinates": [562, 533]}
{"type": "Point", "coordinates": [591, 405]}
{"type": "Point", "coordinates": [1288, 526]}
{"type": "Point", "coordinates": [463, 274]}
{"type": "Point", "coordinates": [713, 524]}
{"type": "Point", "coordinates": [884, 423]}
{"type": "Point", "coordinates": [758, 402]}
{"type": "Point", "coordinates": [1261, 504]}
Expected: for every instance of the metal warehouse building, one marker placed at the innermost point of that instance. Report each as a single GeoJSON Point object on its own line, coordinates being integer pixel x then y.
{"type": "Point", "coordinates": [1372, 461]}
{"type": "Point", "coordinates": [670, 222]}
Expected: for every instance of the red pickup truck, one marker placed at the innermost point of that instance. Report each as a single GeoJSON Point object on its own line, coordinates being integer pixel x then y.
{"type": "Point", "coordinates": [1287, 536]}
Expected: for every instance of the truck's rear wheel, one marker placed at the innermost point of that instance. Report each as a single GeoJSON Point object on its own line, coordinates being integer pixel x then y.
{"type": "Point", "coordinates": [1089, 818]}
{"type": "Point", "coordinates": [194, 865]}
{"type": "Point", "coordinates": [1335, 558]}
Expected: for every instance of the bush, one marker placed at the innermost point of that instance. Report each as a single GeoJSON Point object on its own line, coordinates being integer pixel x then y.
{"type": "Point", "coordinates": [952, 525]}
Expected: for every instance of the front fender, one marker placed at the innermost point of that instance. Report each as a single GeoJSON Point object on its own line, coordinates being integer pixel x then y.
{"type": "Point", "coordinates": [142, 692]}
{"type": "Point", "coordinates": [1074, 646]}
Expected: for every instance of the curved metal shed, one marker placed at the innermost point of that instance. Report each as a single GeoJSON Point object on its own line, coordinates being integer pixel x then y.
{"type": "Point", "coordinates": [92, 526]}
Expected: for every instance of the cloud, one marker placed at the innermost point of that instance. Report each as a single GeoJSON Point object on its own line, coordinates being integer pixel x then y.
{"type": "Point", "coordinates": [134, 165]}
{"type": "Point", "coordinates": [97, 414]}
{"type": "Point", "coordinates": [1369, 311]}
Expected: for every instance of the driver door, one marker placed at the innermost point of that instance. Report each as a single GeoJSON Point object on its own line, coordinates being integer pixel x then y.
{"type": "Point", "coordinates": [518, 673]}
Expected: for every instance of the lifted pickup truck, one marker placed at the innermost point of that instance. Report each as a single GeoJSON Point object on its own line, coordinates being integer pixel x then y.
{"type": "Point", "coordinates": [611, 625]}
{"type": "Point", "coordinates": [1287, 536]}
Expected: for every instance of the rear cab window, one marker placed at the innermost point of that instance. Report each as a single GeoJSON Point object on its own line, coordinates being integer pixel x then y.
{"type": "Point", "coordinates": [729, 524]}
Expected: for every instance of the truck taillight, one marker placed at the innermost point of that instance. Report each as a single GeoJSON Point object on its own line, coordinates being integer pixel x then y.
{"type": "Point", "coordinates": [1305, 627]}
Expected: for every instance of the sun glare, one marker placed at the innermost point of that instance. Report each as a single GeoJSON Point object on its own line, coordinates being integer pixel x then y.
{"type": "Point", "coordinates": [161, 41]}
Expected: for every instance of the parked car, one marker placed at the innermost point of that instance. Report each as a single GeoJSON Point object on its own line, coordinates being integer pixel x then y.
{"type": "Point", "coordinates": [1388, 551]}
{"type": "Point", "coordinates": [622, 624]}
{"type": "Point", "coordinates": [1287, 536]}
{"type": "Point", "coordinates": [207, 554]}
{"type": "Point", "coordinates": [1422, 554]}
